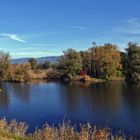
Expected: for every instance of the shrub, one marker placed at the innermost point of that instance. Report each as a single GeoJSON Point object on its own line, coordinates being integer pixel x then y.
{"type": "Point", "coordinates": [19, 72]}
{"type": "Point", "coordinates": [53, 74]}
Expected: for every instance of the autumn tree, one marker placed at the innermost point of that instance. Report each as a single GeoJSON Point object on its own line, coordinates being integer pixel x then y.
{"type": "Point", "coordinates": [70, 63]}
{"type": "Point", "coordinates": [86, 65]}
{"type": "Point", "coordinates": [105, 60]}
{"type": "Point", "coordinates": [4, 65]}
{"type": "Point", "coordinates": [132, 65]}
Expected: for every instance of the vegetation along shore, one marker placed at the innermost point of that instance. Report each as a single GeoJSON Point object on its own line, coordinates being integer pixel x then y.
{"type": "Point", "coordinates": [97, 64]}
{"type": "Point", "coordinates": [65, 131]}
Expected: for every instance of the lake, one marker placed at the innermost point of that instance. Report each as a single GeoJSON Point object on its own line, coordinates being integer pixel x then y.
{"type": "Point", "coordinates": [104, 104]}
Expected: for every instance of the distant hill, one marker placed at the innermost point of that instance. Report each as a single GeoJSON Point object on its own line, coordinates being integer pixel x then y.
{"type": "Point", "coordinates": [52, 59]}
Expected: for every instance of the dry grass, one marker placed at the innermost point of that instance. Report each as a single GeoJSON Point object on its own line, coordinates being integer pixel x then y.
{"type": "Point", "coordinates": [65, 131]}
{"type": "Point", "coordinates": [13, 130]}
{"type": "Point", "coordinates": [87, 78]}
{"type": "Point", "coordinates": [37, 74]}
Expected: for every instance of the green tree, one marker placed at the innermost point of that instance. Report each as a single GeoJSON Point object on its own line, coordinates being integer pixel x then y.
{"type": "Point", "coordinates": [46, 65]}
{"type": "Point", "coordinates": [132, 65]}
{"type": "Point", "coordinates": [4, 65]}
{"type": "Point", "coordinates": [70, 63]}
{"type": "Point", "coordinates": [33, 63]}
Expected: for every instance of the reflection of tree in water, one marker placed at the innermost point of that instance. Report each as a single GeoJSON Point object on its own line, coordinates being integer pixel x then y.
{"type": "Point", "coordinates": [93, 101]}
{"type": "Point", "coordinates": [104, 97]}
{"type": "Point", "coordinates": [70, 97]}
{"type": "Point", "coordinates": [4, 97]}
{"type": "Point", "coordinates": [22, 91]}
{"type": "Point", "coordinates": [95, 97]}
{"type": "Point", "coordinates": [131, 95]}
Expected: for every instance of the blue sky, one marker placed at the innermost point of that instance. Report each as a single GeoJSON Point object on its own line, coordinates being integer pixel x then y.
{"type": "Point", "coordinates": [36, 28]}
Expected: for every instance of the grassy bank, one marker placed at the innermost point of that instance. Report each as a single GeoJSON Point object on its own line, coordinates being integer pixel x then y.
{"type": "Point", "coordinates": [65, 131]}
{"type": "Point", "coordinates": [87, 78]}
{"type": "Point", "coordinates": [24, 73]}
{"type": "Point", "coordinates": [54, 74]}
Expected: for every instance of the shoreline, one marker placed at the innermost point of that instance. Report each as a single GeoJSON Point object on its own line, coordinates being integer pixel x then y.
{"type": "Point", "coordinates": [78, 78]}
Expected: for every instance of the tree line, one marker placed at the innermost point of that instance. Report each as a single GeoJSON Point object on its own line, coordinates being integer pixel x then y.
{"type": "Point", "coordinates": [100, 61]}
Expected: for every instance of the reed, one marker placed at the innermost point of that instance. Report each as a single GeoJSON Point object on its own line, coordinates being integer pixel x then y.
{"type": "Point", "coordinates": [65, 131]}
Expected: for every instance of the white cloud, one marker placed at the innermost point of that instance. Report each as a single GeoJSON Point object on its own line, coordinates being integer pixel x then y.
{"type": "Point", "coordinates": [14, 37]}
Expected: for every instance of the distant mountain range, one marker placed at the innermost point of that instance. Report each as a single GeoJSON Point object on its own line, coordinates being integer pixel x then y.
{"type": "Point", "coordinates": [52, 59]}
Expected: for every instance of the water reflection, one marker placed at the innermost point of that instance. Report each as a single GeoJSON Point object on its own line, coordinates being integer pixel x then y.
{"type": "Point", "coordinates": [131, 95]}
{"type": "Point", "coordinates": [4, 97]}
{"type": "Point", "coordinates": [22, 91]}
{"type": "Point", "coordinates": [13, 90]}
{"type": "Point", "coordinates": [114, 104]}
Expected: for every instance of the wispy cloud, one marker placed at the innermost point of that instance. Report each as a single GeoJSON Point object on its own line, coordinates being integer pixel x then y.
{"type": "Point", "coordinates": [44, 44]}
{"type": "Point", "coordinates": [14, 37]}
{"type": "Point", "coordinates": [43, 34]}
{"type": "Point", "coordinates": [72, 42]}
{"type": "Point", "coordinates": [130, 26]}
{"type": "Point", "coordinates": [56, 33]}
{"type": "Point", "coordinates": [126, 30]}
{"type": "Point", "coordinates": [75, 26]}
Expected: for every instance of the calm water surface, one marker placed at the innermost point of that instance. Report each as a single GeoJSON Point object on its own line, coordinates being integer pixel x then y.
{"type": "Point", "coordinates": [110, 104]}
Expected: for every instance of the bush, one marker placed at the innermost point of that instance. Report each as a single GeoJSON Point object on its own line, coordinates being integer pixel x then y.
{"type": "Point", "coordinates": [53, 74]}
{"type": "Point", "coordinates": [119, 73]}
{"type": "Point", "coordinates": [19, 72]}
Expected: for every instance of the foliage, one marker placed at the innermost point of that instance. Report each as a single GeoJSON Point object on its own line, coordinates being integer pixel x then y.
{"type": "Point", "coordinates": [105, 60]}
{"type": "Point", "coordinates": [132, 65]}
{"type": "Point", "coordinates": [70, 63]}
{"type": "Point", "coordinates": [46, 65]}
{"type": "Point", "coordinates": [4, 65]}
{"type": "Point", "coordinates": [86, 65]}
{"type": "Point", "coordinates": [53, 74]}
{"type": "Point", "coordinates": [100, 61]}
{"type": "Point", "coordinates": [33, 63]}
{"type": "Point", "coordinates": [19, 72]}
{"type": "Point", "coordinates": [54, 66]}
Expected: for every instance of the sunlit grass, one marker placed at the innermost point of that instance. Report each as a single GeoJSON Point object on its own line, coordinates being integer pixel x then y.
{"type": "Point", "coordinates": [65, 131]}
